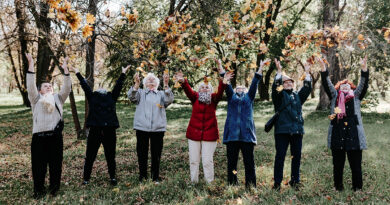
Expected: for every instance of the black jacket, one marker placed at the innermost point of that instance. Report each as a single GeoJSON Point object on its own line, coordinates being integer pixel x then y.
{"type": "Point", "coordinates": [290, 120]}
{"type": "Point", "coordinates": [102, 107]}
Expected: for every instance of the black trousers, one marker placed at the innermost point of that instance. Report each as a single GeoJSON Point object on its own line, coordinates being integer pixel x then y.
{"type": "Point", "coordinates": [281, 143]}
{"type": "Point", "coordinates": [355, 162]}
{"type": "Point", "coordinates": [156, 145]}
{"type": "Point", "coordinates": [233, 149]}
{"type": "Point", "coordinates": [97, 136]}
{"type": "Point", "coordinates": [46, 149]}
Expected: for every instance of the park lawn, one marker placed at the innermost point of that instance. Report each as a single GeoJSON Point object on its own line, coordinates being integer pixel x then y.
{"type": "Point", "coordinates": [316, 168]}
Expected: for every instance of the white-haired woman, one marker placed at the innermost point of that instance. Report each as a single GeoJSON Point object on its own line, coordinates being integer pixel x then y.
{"type": "Point", "coordinates": [202, 131]}
{"type": "Point", "coordinates": [150, 120]}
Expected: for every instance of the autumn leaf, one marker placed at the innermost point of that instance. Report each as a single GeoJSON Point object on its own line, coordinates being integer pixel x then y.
{"type": "Point", "coordinates": [87, 31]}
{"type": "Point", "coordinates": [332, 116]}
{"type": "Point", "coordinates": [159, 106]}
{"type": "Point", "coordinates": [177, 84]}
{"type": "Point", "coordinates": [234, 172]}
{"type": "Point", "coordinates": [284, 23]}
{"type": "Point", "coordinates": [51, 15]}
{"type": "Point", "coordinates": [302, 78]}
{"type": "Point", "coordinates": [269, 31]}
{"type": "Point", "coordinates": [116, 190]}
{"type": "Point", "coordinates": [360, 37]}
{"type": "Point", "coordinates": [90, 18]}
{"type": "Point", "coordinates": [279, 88]}
{"type": "Point", "coordinates": [107, 13]}
{"type": "Point", "coordinates": [166, 71]}
{"type": "Point", "coordinates": [337, 110]}
{"type": "Point", "coordinates": [328, 197]}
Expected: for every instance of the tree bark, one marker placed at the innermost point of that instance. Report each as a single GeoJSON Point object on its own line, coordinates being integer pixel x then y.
{"type": "Point", "coordinates": [330, 19]}
{"type": "Point", "coordinates": [44, 52]}
{"type": "Point", "coordinates": [90, 59]}
{"type": "Point", "coordinates": [20, 13]}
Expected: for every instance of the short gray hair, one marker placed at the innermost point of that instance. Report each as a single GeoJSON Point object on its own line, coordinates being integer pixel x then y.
{"type": "Point", "coordinates": [203, 83]}
{"type": "Point", "coordinates": [151, 75]}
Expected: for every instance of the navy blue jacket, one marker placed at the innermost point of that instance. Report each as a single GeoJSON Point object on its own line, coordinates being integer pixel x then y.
{"type": "Point", "coordinates": [290, 120]}
{"type": "Point", "coordinates": [239, 125]}
{"type": "Point", "coordinates": [102, 107]}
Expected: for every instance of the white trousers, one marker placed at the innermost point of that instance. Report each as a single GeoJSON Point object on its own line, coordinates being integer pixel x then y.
{"type": "Point", "coordinates": [206, 150]}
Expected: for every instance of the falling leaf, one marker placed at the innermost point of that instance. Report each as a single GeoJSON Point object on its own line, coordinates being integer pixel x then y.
{"type": "Point", "coordinates": [269, 31]}
{"type": "Point", "coordinates": [328, 197]}
{"type": "Point", "coordinates": [90, 18]}
{"type": "Point", "coordinates": [234, 172]}
{"type": "Point", "coordinates": [361, 37]}
{"type": "Point", "coordinates": [239, 201]}
{"type": "Point", "coordinates": [284, 23]}
{"type": "Point", "coordinates": [177, 85]}
{"type": "Point", "coordinates": [107, 13]}
{"type": "Point", "coordinates": [279, 88]}
{"type": "Point", "coordinates": [332, 116]}
{"type": "Point", "coordinates": [337, 110]}
{"type": "Point", "coordinates": [159, 106]}
{"type": "Point", "coordinates": [346, 123]}
{"type": "Point", "coordinates": [116, 190]}
{"type": "Point", "coordinates": [166, 71]}
{"type": "Point", "coordinates": [302, 78]}
{"type": "Point", "coordinates": [51, 15]}
{"type": "Point", "coordinates": [87, 31]}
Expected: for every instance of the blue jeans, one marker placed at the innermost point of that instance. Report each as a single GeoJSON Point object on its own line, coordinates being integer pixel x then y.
{"type": "Point", "coordinates": [281, 144]}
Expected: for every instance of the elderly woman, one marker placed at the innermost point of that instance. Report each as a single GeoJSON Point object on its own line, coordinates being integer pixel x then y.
{"type": "Point", "coordinates": [47, 143]}
{"type": "Point", "coordinates": [103, 122]}
{"type": "Point", "coordinates": [202, 131]}
{"type": "Point", "coordinates": [346, 134]}
{"type": "Point", "coordinates": [240, 132]}
{"type": "Point", "coordinates": [289, 125]}
{"type": "Point", "coordinates": [150, 121]}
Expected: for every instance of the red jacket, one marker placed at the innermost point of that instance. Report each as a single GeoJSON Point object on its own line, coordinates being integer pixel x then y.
{"type": "Point", "coordinates": [203, 124]}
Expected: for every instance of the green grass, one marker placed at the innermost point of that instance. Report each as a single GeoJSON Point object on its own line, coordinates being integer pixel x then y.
{"type": "Point", "coordinates": [316, 169]}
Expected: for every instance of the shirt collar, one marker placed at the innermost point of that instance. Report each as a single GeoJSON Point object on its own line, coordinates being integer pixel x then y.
{"type": "Point", "coordinates": [147, 90]}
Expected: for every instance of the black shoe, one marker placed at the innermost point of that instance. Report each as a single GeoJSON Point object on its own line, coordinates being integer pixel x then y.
{"type": "Point", "coordinates": [113, 182]}
{"type": "Point", "coordinates": [39, 195]}
{"type": "Point", "coordinates": [276, 187]}
{"type": "Point", "coordinates": [85, 182]}
{"type": "Point", "coordinates": [295, 185]}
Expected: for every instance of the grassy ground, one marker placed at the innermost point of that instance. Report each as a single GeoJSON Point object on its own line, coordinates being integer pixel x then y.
{"type": "Point", "coordinates": [316, 169]}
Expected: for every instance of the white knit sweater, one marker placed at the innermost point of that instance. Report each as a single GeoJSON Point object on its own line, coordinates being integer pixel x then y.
{"type": "Point", "coordinates": [42, 120]}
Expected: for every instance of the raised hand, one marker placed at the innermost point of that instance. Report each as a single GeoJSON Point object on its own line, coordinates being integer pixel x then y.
{"type": "Point", "coordinates": [262, 64]}
{"type": "Point", "coordinates": [125, 69]}
{"type": "Point", "coordinates": [277, 63]}
{"type": "Point", "coordinates": [65, 65]}
{"type": "Point", "coordinates": [228, 76]}
{"type": "Point", "coordinates": [307, 67]}
{"type": "Point", "coordinates": [30, 62]}
{"type": "Point", "coordinates": [166, 79]}
{"type": "Point", "coordinates": [219, 63]}
{"type": "Point", "coordinates": [136, 80]}
{"type": "Point", "coordinates": [322, 63]}
{"type": "Point", "coordinates": [179, 76]}
{"type": "Point", "coordinates": [363, 62]}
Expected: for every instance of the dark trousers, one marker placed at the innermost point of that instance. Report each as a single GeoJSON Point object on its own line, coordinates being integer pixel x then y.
{"type": "Point", "coordinates": [281, 143]}
{"type": "Point", "coordinates": [97, 136]}
{"type": "Point", "coordinates": [156, 145]}
{"type": "Point", "coordinates": [46, 149]}
{"type": "Point", "coordinates": [233, 149]}
{"type": "Point", "coordinates": [355, 162]}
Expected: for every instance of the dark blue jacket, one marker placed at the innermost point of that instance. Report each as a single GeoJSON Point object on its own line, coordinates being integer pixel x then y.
{"type": "Point", "coordinates": [290, 120]}
{"type": "Point", "coordinates": [239, 125]}
{"type": "Point", "coordinates": [102, 107]}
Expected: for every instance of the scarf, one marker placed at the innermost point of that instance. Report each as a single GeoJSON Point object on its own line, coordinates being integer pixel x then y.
{"type": "Point", "coordinates": [205, 97]}
{"type": "Point", "coordinates": [343, 97]}
{"type": "Point", "coordinates": [48, 103]}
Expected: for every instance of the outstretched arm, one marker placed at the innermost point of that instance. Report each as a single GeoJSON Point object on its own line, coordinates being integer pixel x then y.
{"type": "Point", "coordinates": [84, 85]}
{"type": "Point", "coordinates": [119, 84]}
{"type": "Point", "coordinates": [304, 92]}
{"type": "Point", "coordinates": [325, 80]}
{"type": "Point", "coordinates": [277, 94]}
{"type": "Point", "coordinates": [256, 79]}
{"type": "Point", "coordinates": [362, 88]}
{"type": "Point", "coordinates": [67, 86]}
{"type": "Point", "coordinates": [134, 92]}
{"type": "Point", "coordinates": [30, 78]}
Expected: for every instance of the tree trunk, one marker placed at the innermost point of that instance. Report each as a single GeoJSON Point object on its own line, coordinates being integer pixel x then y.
{"type": "Point", "coordinates": [44, 52]}
{"type": "Point", "coordinates": [90, 59]}
{"type": "Point", "coordinates": [21, 21]}
{"type": "Point", "coordinates": [75, 116]}
{"type": "Point", "coordinates": [330, 8]}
